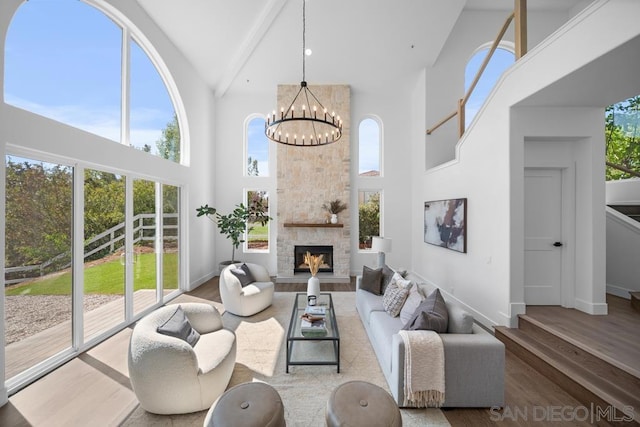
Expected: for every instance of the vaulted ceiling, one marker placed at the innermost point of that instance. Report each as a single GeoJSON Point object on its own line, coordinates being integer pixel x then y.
{"type": "Point", "coordinates": [250, 46]}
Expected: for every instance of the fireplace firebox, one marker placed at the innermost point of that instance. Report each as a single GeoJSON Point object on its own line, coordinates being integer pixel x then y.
{"type": "Point", "coordinates": [298, 258]}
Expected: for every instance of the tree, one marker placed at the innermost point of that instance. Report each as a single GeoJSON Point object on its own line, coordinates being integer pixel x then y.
{"type": "Point", "coordinates": [369, 218]}
{"type": "Point", "coordinates": [169, 144]}
{"type": "Point", "coordinates": [621, 136]}
{"type": "Point", "coordinates": [252, 167]}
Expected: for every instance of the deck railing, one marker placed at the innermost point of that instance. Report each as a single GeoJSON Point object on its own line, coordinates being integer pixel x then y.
{"type": "Point", "coordinates": [114, 240]}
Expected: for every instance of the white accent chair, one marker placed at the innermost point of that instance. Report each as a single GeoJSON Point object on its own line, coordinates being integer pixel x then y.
{"type": "Point", "coordinates": [171, 377]}
{"type": "Point", "coordinates": [250, 299]}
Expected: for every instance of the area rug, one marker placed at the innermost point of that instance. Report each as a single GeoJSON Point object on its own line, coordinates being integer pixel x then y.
{"type": "Point", "coordinates": [305, 389]}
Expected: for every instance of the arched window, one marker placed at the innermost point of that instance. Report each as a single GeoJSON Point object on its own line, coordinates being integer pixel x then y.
{"type": "Point", "coordinates": [65, 61]}
{"type": "Point", "coordinates": [502, 59]}
{"type": "Point", "coordinates": [256, 147]}
{"type": "Point", "coordinates": [370, 147]}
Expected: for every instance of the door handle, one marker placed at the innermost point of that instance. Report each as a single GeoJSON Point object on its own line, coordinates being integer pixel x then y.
{"type": "Point", "coordinates": [557, 244]}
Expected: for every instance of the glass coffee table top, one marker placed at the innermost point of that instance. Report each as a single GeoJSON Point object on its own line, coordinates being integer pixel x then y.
{"type": "Point", "coordinates": [313, 346]}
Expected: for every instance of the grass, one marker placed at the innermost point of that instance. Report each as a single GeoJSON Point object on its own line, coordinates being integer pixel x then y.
{"type": "Point", "coordinates": [106, 278]}
{"type": "Point", "coordinates": [259, 232]}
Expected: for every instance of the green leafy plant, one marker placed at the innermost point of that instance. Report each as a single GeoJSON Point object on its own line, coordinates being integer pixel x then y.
{"type": "Point", "coordinates": [234, 224]}
{"type": "Point", "coordinates": [335, 206]}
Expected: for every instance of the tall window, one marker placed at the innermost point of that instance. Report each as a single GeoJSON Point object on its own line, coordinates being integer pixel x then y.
{"type": "Point", "coordinates": [257, 148]}
{"type": "Point", "coordinates": [500, 61]}
{"type": "Point", "coordinates": [369, 148]}
{"type": "Point", "coordinates": [257, 234]}
{"type": "Point", "coordinates": [622, 137]}
{"type": "Point", "coordinates": [368, 217]}
{"type": "Point", "coordinates": [64, 61]}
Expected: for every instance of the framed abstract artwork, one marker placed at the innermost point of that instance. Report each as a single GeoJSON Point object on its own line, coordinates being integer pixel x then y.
{"type": "Point", "coordinates": [445, 224]}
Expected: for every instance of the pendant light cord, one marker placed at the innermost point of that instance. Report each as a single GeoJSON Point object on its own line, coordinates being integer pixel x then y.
{"type": "Point", "coordinates": [304, 31]}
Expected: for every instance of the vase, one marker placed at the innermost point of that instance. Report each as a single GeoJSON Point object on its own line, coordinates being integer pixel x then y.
{"type": "Point", "coordinates": [313, 286]}
{"type": "Point", "coordinates": [334, 218]}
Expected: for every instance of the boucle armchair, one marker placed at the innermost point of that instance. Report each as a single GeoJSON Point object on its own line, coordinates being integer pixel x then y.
{"type": "Point", "coordinates": [249, 299]}
{"type": "Point", "coordinates": [168, 375]}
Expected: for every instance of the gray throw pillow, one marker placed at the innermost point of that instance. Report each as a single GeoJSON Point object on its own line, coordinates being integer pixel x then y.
{"type": "Point", "coordinates": [178, 326]}
{"type": "Point", "coordinates": [387, 275]}
{"type": "Point", "coordinates": [371, 280]}
{"type": "Point", "coordinates": [430, 315]}
{"type": "Point", "coordinates": [460, 321]}
{"type": "Point", "coordinates": [243, 274]}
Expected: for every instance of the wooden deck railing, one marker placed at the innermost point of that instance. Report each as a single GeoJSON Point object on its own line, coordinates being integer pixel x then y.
{"type": "Point", "coordinates": [520, 15]}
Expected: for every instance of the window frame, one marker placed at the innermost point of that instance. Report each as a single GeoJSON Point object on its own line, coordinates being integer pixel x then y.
{"type": "Point", "coordinates": [378, 121]}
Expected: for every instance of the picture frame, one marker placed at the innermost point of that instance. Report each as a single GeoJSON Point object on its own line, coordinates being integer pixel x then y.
{"type": "Point", "coordinates": [445, 224]}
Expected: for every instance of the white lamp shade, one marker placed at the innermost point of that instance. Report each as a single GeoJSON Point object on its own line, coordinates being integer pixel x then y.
{"type": "Point", "coordinates": [380, 244]}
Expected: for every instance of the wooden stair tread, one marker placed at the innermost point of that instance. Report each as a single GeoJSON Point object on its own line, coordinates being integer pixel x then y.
{"type": "Point", "coordinates": [635, 300]}
{"type": "Point", "coordinates": [602, 388]}
{"type": "Point", "coordinates": [576, 343]}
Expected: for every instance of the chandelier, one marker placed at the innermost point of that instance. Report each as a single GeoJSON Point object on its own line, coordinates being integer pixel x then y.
{"type": "Point", "coordinates": [306, 122]}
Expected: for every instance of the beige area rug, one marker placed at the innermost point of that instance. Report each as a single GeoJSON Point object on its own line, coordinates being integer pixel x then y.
{"type": "Point", "coordinates": [306, 389]}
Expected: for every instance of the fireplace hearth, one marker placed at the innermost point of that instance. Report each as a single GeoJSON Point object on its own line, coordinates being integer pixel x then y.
{"type": "Point", "coordinates": [298, 258]}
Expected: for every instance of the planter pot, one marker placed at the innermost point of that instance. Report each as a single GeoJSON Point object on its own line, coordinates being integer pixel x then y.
{"type": "Point", "coordinates": [225, 264]}
{"type": "Point", "coordinates": [334, 218]}
{"type": "Point", "coordinates": [313, 286]}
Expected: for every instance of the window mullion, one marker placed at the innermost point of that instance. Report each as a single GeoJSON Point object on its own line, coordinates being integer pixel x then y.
{"type": "Point", "coordinates": [78, 257]}
{"type": "Point", "coordinates": [126, 88]}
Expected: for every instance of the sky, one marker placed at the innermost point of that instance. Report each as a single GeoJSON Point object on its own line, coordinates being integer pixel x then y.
{"type": "Point", "coordinates": [63, 61]}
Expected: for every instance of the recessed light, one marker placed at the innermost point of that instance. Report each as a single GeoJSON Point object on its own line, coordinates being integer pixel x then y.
{"type": "Point", "coordinates": [308, 52]}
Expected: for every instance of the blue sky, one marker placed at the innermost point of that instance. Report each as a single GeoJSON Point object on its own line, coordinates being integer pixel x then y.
{"type": "Point", "coordinates": [63, 61]}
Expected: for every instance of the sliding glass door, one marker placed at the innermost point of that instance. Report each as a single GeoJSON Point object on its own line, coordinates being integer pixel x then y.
{"type": "Point", "coordinates": [61, 296]}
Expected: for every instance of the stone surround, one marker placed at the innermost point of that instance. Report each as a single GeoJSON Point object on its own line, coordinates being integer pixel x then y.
{"type": "Point", "coordinates": [307, 177]}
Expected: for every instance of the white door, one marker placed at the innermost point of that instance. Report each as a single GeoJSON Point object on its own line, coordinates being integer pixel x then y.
{"type": "Point", "coordinates": [542, 237]}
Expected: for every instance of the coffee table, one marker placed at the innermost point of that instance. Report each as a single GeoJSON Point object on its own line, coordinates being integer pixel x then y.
{"type": "Point", "coordinates": [313, 350]}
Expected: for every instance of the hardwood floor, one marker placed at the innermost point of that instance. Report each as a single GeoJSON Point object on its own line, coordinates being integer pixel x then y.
{"type": "Point", "coordinates": [94, 389]}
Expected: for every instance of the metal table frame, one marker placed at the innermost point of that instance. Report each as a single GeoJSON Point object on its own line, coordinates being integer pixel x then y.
{"type": "Point", "coordinates": [294, 334]}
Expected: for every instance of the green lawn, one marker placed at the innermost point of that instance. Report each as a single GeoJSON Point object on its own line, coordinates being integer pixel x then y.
{"type": "Point", "coordinates": [106, 278]}
{"type": "Point", "coordinates": [259, 232]}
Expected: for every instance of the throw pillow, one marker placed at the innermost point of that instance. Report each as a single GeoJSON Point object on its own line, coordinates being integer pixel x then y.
{"type": "Point", "coordinates": [394, 297]}
{"type": "Point", "coordinates": [387, 274]}
{"type": "Point", "coordinates": [431, 315]}
{"type": "Point", "coordinates": [178, 326]}
{"type": "Point", "coordinates": [411, 304]}
{"type": "Point", "coordinates": [371, 280]}
{"type": "Point", "coordinates": [243, 274]}
{"type": "Point", "coordinates": [460, 321]}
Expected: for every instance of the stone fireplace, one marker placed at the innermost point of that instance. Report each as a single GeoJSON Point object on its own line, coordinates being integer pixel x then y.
{"type": "Point", "coordinates": [308, 177]}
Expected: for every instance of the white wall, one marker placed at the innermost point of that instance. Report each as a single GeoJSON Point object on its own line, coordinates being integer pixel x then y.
{"type": "Point", "coordinates": [489, 160]}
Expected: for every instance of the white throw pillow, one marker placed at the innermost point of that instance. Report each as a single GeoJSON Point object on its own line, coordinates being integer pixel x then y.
{"type": "Point", "coordinates": [411, 304]}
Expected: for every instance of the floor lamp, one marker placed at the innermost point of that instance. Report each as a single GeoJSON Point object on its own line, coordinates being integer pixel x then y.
{"type": "Point", "coordinates": [381, 245]}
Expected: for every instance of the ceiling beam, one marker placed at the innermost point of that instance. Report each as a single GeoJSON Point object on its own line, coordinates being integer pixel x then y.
{"type": "Point", "coordinates": [263, 23]}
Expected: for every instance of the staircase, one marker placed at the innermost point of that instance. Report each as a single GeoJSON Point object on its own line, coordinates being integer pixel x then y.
{"type": "Point", "coordinates": [593, 378]}
{"type": "Point", "coordinates": [632, 211]}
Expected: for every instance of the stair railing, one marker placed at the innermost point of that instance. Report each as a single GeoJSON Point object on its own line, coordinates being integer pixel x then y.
{"type": "Point", "coordinates": [520, 15]}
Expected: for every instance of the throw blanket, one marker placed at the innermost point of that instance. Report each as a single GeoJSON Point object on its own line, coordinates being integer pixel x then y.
{"type": "Point", "coordinates": [423, 369]}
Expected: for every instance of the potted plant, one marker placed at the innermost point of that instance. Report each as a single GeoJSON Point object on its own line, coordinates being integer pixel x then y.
{"type": "Point", "coordinates": [234, 224]}
{"type": "Point", "coordinates": [334, 207]}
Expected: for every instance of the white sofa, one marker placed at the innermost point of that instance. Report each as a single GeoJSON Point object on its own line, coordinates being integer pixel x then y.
{"type": "Point", "coordinates": [168, 375]}
{"type": "Point", "coordinates": [250, 299]}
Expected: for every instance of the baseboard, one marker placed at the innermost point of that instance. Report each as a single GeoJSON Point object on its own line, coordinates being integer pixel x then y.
{"type": "Point", "coordinates": [200, 281]}
{"type": "Point", "coordinates": [590, 307]}
{"type": "Point", "coordinates": [620, 291]}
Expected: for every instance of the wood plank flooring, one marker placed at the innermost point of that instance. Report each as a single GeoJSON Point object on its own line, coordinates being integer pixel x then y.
{"type": "Point", "coordinates": [95, 389]}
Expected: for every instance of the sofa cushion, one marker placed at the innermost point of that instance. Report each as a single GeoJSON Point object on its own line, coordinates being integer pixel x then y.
{"type": "Point", "coordinates": [243, 274]}
{"type": "Point", "coordinates": [395, 295]}
{"type": "Point", "coordinates": [460, 321]}
{"type": "Point", "coordinates": [371, 280]}
{"type": "Point", "coordinates": [382, 328]}
{"type": "Point", "coordinates": [178, 326]}
{"type": "Point", "coordinates": [431, 314]}
{"type": "Point", "coordinates": [411, 304]}
{"type": "Point", "coordinates": [366, 303]}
